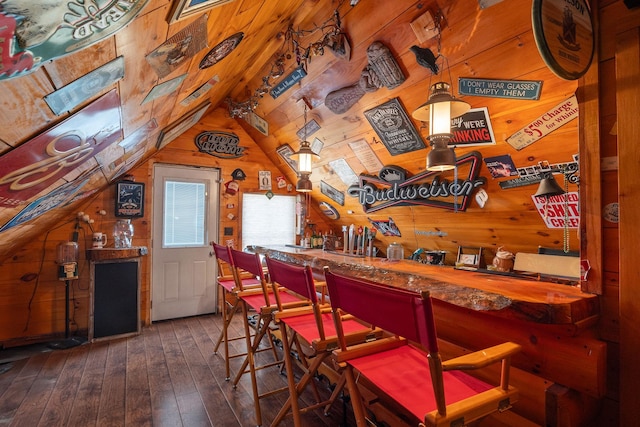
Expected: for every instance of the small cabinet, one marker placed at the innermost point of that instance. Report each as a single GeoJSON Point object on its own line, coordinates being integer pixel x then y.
{"type": "Point", "coordinates": [114, 292]}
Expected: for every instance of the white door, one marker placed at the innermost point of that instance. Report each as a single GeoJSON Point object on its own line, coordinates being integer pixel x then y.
{"type": "Point", "coordinates": [185, 220]}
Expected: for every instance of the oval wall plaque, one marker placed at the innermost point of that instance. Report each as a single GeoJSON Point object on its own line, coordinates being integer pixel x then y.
{"type": "Point", "coordinates": [329, 210]}
{"type": "Point", "coordinates": [219, 144]}
{"type": "Point", "coordinates": [221, 50]}
{"type": "Point", "coordinates": [563, 31]}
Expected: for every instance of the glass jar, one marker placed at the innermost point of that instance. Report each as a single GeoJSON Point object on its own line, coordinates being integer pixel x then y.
{"type": "Point", "coordinates": [123, 233]}
{"type": "Point", "coordinates": [503, 260]}
{"type": "Point", "coordinates": [395, 251]}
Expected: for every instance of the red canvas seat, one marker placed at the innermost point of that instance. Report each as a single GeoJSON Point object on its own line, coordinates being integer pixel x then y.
{"type": "Point", "coordinates": [406, 365]}
{"type": "Point", "coordinates": [309, 330]}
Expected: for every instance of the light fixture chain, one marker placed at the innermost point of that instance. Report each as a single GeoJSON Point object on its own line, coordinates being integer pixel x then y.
{"type": "Point", "coordinates": [565, 236]}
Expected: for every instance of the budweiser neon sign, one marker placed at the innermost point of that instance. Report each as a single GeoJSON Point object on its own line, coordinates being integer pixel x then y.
{"type": "Point", "coordinates": [392, 187]}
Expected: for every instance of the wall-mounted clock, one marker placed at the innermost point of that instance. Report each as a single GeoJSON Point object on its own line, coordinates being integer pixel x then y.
{"type": "Point", "coordinates": [129, 199]}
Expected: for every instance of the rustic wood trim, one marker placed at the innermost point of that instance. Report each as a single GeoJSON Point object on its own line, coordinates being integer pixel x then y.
{"type": "Point", "coordinates": [590, 181]}
{"type": "Point", "coordinates": [627, 106]}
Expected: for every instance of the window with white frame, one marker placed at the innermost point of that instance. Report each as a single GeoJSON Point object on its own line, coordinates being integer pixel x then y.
{"type": "Point", "coordinates": [268, 221]}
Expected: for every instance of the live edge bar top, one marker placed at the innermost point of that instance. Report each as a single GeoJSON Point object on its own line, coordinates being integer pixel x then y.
{"type": "Point", "coordinates": [499, 295]}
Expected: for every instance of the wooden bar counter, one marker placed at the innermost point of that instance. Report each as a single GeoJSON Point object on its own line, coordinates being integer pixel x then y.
{"type": "Point", "coordinates": [561, 369]}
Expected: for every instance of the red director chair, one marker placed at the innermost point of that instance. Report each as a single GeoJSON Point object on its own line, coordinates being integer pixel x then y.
{"type": "Point", "coordinates": [261, 300]}
{"type": "Point", "coordinates": [228, 286]}
{"type": "Point", "coordinates": [406, 366]}
{"type": "Point", "coordinates": [311, 331]}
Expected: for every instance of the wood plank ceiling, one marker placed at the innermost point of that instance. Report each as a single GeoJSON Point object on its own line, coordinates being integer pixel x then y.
{"type": "Point", "coordinates": [493, 42]}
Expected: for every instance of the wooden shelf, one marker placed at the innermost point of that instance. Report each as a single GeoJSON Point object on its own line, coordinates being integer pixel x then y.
{"type": "Point", "coordinates": [100, 254]}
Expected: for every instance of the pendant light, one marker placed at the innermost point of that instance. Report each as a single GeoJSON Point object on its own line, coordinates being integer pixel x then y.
{"type": "Point", "coordinates": [304, 156]}
{"type": "Point", "coordinates": [438, 111]}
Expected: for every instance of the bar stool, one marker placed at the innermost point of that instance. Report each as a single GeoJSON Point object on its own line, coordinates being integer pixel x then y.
{"type": "Point", "coordinates": [228, 284]}
{"type": "Point", "coordinates": [310, 330]}
{"type": "Point", "coordinates": [264, 301]}
{"type": "Point", "coordinates": [406, 367]}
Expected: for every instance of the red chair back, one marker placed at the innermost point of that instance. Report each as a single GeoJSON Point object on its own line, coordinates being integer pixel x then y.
{"type": "Point", "coordinates": [222, 253]}
{"type": "Point", "coordinates": [401, 312]}
{"type": "Point", "coordinates": [247, 262]}
{"type": "Point", "coordinates": [296, 278]}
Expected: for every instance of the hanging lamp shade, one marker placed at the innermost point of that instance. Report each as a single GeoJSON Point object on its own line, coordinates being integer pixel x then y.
{"type": "Point", "coordinates": [304, 156]}
{"type": "Point", "coordinates": [441, 157]}
{"type": "Point", "coordinates": [440, 109]}
{"type": "Point", "coordinates": [304, 184]}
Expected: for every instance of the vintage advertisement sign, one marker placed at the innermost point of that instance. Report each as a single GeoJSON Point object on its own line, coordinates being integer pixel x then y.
{"type": "Point", "coordinates": [429, 188]}
{"type": "Point", "coordinates": [563, 31]}
{"type": "Point", "coordinates": [394, 128]}
{"type": "Point", "coordinates": [35, 32]}
{"type": "Point", "coordinates": [308, 129]}
{"type": "Point", "coordinates": [287, 82]}
{"type": "Point", "coordinates": [179, 48]}
{"type": "Point", "coordinates": [332, 193]}
{"type": "Point", "coordinates": [86, 87]}
{"type": "Point", "coordinates": [40, 162]}
{"type": "Point", "coordinates": [510, 89]}
{"type": "Point", "coordinates": [220, 144]}
{"type": "Point", "coordinates": [553, 119]}
{"type": "Point", "coordinates": [472, 128]}
{"type": "Point", "coordinates": [556, 210]}
{"type": "Point", "coordinates": [45, 203]}
{"type": "Point", "coordinates": [366, 155]}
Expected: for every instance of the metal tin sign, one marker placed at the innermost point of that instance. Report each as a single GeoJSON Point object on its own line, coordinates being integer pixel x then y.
{"type": "Point", "coordinates": [553, 119]}
{"type": "Point", "coordinates": [219, 144]}
{"type": "Point", "coordinates": [563, 31]}
{"type": "Point", "coordinates": [35, 32]}
{"type": "Point", "coordinates": [556, 209]}
{"type": "Point", "coordinates": [75, 93]}
{"type": "Point", "coordinates": [332, 193]}
{"type": "Point", "coordinates": [394, 128]}
{"type": "Point", "coordinates": [329, 210]}
{"type": "Point", "coordinates": [40, 162]}
{"type": "Point", "coordinates": [510, 89]}
{"type": "Point", "coordinates": [287, 82]}
{"type": "Point", "coordinates": [472, 128]}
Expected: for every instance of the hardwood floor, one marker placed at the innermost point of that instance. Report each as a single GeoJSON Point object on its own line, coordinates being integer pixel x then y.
{"type": "Point", "coordinates": [166, 376]}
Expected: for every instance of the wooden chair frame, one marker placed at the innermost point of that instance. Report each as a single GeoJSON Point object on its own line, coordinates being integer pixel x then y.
{"type": "Point", "coordinates": [299, 280]}
{"type": "Point", "coordinates": [229, 283]}
{"type": "Point", "coordinates": [408, 317]}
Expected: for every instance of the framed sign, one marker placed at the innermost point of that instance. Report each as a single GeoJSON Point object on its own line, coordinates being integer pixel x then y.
{"type": "Point", "coordinates": [394, 128]}
{"type": "Point", "coordinates": [186, 8]}
{"type": "Point", "coordinates": [564, 35]}
{"type": "Point", "coordinates": [129, 199]}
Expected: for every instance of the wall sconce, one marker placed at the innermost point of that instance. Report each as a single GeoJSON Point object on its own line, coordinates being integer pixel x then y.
{"type": "Point", "coordinates": [438, 112]}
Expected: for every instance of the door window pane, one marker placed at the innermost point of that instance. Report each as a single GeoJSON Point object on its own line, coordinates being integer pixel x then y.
{"type": "Point", "coordinates": [184, 214]}
{"type": "Point", "coordinates": [268, 221]}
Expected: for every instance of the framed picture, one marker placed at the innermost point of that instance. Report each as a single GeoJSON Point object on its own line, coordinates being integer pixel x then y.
{"type": "Point", "coordinates": [129, 199]}
{"type": "Point", "coordinates": [185, 8]}
{"type": "Point", "coordinates": [181, 125]}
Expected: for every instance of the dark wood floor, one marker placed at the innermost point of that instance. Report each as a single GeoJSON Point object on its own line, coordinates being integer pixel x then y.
{"type": "Point", "coordinates": [167, 376]}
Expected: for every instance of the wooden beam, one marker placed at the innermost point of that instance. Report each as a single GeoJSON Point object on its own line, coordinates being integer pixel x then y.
{"type": "Point", "coordinates": [628, 105]}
